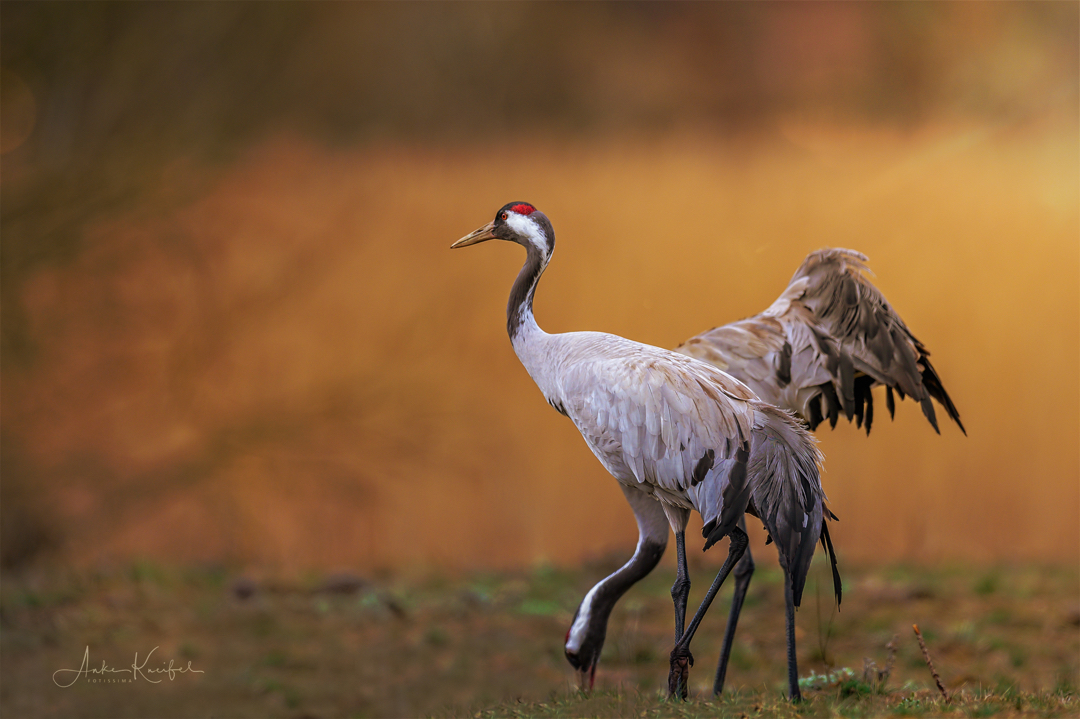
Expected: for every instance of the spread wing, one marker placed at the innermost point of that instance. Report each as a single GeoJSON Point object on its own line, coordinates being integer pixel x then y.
{"type": "Point", "coordinates": [752, 349]}
{"type": "Point", "coordinates": [824, 344]}
{"type": "Point", "coordinates": [673, 425]}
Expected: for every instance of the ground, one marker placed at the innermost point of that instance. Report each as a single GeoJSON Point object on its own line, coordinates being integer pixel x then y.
{"type": "Point", "coordinates": [1005, 640]}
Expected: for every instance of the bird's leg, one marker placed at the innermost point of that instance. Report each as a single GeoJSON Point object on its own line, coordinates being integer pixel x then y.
{"type": "Point", "coordinates": [680, 593]}
{"type": "Point", "coordinates": [680, 590]}
{"type": "Point", "coordinates": [792, 663]}
{"type": "Point", "coordinates": [743, 571]}
{"type": "Point", "coordinates": [681, 659]}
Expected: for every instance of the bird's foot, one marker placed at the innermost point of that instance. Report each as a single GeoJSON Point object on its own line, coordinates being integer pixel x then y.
{"type": "Point", "coordinates": [679, 676]}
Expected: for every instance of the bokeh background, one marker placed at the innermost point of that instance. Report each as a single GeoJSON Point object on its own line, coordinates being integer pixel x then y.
{"type": "Point", "coordinates": [233, 331]}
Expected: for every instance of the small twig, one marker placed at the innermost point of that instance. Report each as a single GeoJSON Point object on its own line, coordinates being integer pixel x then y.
{"type": "Point", "coordinates": [872, 673]}
{"type": "Point", "coordinates": [891, 659]}
{"type": "Point", "coordinates": [929, 663]}
{"type": "Point", "coordinates": [869, 670]}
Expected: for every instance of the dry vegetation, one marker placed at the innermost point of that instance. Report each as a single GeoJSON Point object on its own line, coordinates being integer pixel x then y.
{"type": "Point", "coordinates": [1005, 640]}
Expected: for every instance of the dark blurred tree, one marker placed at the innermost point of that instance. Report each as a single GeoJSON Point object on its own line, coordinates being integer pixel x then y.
{"type": "Point", "coordinates": [124, 91]}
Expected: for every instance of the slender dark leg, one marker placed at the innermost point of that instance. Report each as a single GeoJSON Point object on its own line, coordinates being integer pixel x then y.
{"type": "Point", "coordinates": [681, 659]}
{"type": "Point", "coordinates": [743, 571]}
{"type": "Point", "coordinates": [792, 662]}
{"type": "Point", "coordinates": [680, 590]}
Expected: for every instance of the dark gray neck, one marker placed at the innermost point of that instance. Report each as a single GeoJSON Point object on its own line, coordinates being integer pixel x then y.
{"type": "Point", "coordinates": [520, 306]}
{"type": "Point", "coordinates": [600, 601]}
{"type": "Point", "coordinates": [645, 559]}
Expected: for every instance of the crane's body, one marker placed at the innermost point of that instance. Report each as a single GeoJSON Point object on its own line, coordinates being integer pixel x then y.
{"type": "Point", "coordinates": [818, 351]}
{"type": "Point", "coordinates": [657, 420]}
{"type": "Point", "coordinates": [678, 431]}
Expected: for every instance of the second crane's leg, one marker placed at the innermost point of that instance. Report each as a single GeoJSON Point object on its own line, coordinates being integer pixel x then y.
{"type": "Point", "coordinates": [680, 590]}
{"type": "Point", "coordinates": [793, 665]}
{"type": "Point", "coordinates": [743, 571]}
{"type": "Point", "coordinates": [681, 658]}
{"type": "Point", "coordinates": [680, 594]}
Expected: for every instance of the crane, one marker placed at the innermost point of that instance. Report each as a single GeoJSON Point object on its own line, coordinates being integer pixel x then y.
{"type": "Point", "coordinates": [818, 350]}
{"type": "Point", "coordinates": [678, 435]}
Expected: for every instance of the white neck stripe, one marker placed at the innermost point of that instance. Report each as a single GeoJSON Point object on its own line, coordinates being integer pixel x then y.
{"type": "Point", "coordinates": [584, 616]}
{"type": "Point", "coordinates": [522, 225]}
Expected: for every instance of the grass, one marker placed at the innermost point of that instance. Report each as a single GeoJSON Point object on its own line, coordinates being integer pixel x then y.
{"type": "Point", "coordinates": [490, 645]}
{"type": "Point", "coordinates": [614, 703]}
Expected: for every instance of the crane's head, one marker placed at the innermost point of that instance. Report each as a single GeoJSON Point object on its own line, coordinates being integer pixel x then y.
{"type": "Point", "coordinates": [517, 222]}
{"type": "Point", "coordinates": [583, 644]}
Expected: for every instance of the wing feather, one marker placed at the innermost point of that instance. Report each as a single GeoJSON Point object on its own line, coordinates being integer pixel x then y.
{"type": "Point", "coordinates": [829, 329]}
{"type": "Point", "coordinates": [654, 417]}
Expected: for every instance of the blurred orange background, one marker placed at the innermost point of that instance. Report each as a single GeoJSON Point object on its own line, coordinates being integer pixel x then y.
{"type": "Point", "coordinates": [233, 330]}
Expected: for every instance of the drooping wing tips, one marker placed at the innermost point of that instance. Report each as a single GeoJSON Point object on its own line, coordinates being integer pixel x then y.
{"type": "Point", "coordinates": [856, 317]}
{"type": "Point", "coordinates": [826, 542]}
{"type": "Point", "coordinates": [873, 343]}
{"type": "Point", "coordinates": [933, 385]}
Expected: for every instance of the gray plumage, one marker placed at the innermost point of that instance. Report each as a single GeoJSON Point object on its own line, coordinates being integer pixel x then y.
{"type": "Point", "coordinates": [817, 351]}
{"type": "Point", "coordinates": [651, 415]}
{"type": "Point", "coordinates": [671, 427]}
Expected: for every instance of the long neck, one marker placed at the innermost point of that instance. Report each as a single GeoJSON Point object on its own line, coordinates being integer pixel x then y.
{"type": "Point", "coordinates": [519, 310]}
{"type": "Point", "coordinates": [586, 635]}
{"type": "Point", "coordinates": [589, 628]}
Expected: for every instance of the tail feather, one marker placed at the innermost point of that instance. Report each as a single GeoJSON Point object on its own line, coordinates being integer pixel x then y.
{"type": "Point", "coordinates": [826, 542]}
{"type": "Point", "coordinates": [786, 488]}
{"type": "Point", "coordinates": [736, 496]}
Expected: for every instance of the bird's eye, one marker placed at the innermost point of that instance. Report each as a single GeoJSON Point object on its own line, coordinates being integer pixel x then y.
{"type": "Point", "coordinates": [502, 216]}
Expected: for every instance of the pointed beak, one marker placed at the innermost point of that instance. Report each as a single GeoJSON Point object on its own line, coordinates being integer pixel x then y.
{"type": "Point", "coordinates": [482, 234]}
{"type": "Point", "coordinates": [586, 679]}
